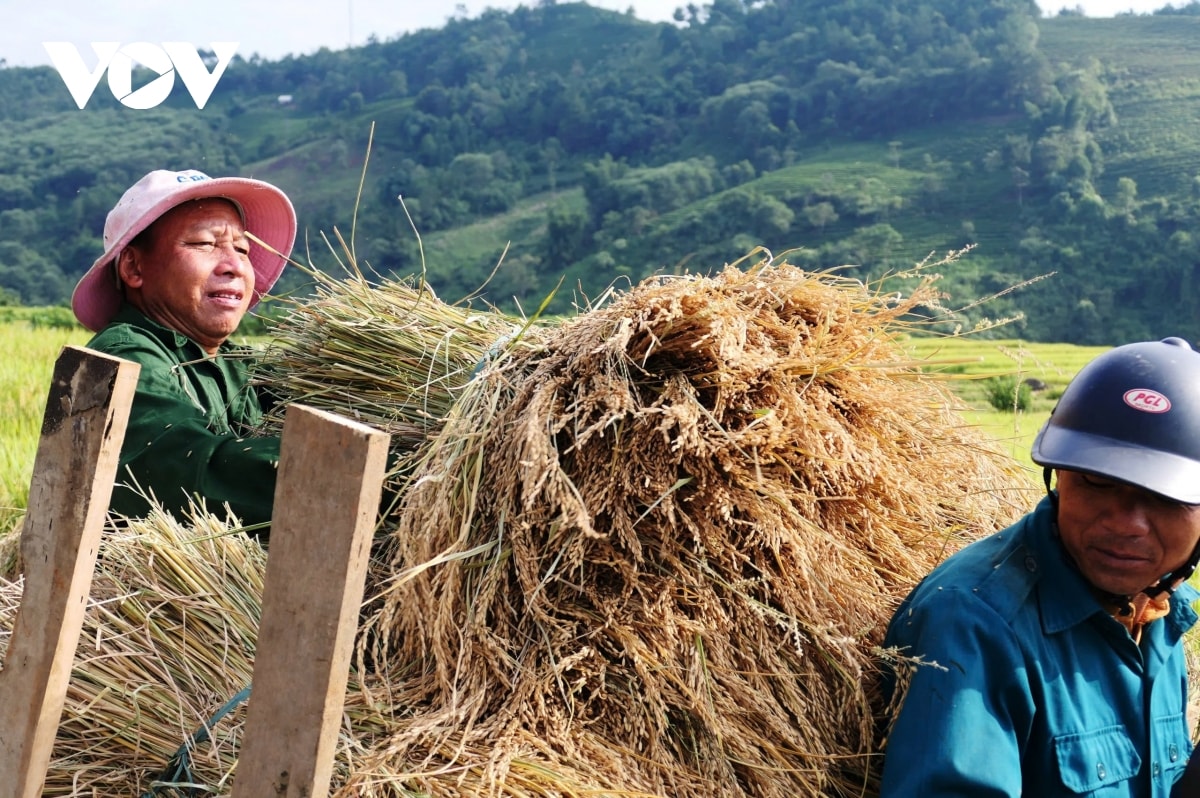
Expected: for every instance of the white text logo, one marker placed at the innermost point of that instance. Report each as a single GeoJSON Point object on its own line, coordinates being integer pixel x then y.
{"type": "Point", "coordinates": [1147, 400]}
{"type": "Point", "coordinates": [167, 60]}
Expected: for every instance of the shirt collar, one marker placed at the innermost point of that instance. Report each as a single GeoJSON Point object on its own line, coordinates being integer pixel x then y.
{"type": "Point", "coordinates": [1065, 597]}
{"type": "Point", "coordinates": [128, 314]}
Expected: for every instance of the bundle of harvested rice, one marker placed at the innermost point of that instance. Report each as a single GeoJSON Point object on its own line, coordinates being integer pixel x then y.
{"type": "Point", "coordinates": [667, 543]}
{"type": "Point", "coordinates": [390, 355]}
{"type": "Point", "coordinates": [166, 653]}
{"type": "Point", "coordinates": [650, 550]}
{"type": "Point", "coordinates": [169, 635]}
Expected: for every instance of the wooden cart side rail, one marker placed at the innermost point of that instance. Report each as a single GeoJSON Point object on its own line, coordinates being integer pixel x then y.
{"type": "Point", "coordinates": [326, 505]}
{"type": "Point", "coordinates": [326, 502]}
{"type": "Point", "coordinates": [73, 474]}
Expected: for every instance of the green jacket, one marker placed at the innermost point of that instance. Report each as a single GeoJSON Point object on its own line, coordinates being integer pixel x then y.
{"type": "Point", "coordinates": [188, 426]}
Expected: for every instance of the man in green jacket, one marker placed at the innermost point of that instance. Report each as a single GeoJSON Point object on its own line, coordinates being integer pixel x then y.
{"type": "Point", "coordinates": [177, 276]}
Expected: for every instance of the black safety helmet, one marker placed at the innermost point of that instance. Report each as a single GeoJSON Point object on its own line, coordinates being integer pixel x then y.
{"type": "Point", "coordinates": [1132, 415]}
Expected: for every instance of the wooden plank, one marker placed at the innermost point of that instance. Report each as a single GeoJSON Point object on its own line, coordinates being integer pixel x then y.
{"type": "Point", "coordinates": [73, 474]}
{"type": "Point", "coordinates": [326, 505]}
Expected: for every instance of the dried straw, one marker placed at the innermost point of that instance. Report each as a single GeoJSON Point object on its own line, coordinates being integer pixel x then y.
{"type": "Point", "coordinates": [391, 355]}
{"type": "Point", "coordinates": [649, 550]}
{"type": "Point", "coordinates": [168, 639]}
{"type": "Point", "coordinates": [169, 633]}
{"type": "Point", "coordinates": [668, 541]}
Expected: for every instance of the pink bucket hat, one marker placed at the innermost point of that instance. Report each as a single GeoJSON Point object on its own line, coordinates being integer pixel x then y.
{"type": "Point", "coordinates": [266, 212]}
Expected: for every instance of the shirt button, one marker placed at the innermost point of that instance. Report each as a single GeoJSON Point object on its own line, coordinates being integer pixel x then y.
{"type": "Point", "coordinates": [1031, 564]}
{"type": "Point", "coordinates": [1173, 751]}
{"type": "Point", "coordinates": [1101, 773]}
{"type": "Point", "coordinates": [1157, 770]}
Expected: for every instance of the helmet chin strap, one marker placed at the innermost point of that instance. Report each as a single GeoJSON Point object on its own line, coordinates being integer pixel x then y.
{"type": "Point", "coordinates": [1167, 584]}
{"type": "Point", "coordinates": [1176, 578]}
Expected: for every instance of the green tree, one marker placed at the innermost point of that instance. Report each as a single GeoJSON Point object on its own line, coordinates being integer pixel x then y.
{"type": "Point", "coordinates": [1125, 197]}
{"type": "Point", "coordinates": [565, 238]}
{"type": "Point", "coordinates": [820, 214]}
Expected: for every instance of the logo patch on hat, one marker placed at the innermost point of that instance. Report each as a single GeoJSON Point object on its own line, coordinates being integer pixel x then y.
{"type": "Point", "coordinates": [1147, 401]}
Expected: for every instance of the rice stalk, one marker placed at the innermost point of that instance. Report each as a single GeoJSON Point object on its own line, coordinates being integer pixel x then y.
{"type": "Point", "coordinates": [691, 513]}
{"type": "Point", "coordinates": [647, 550]}
{"type": "Point", "coordinates": [168, 638]}
{"type": "Point", "coordinates": [391, 355]}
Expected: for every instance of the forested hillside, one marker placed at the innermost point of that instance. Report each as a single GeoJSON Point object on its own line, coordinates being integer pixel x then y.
{"type": "Point", "coordinates": [574, 145]}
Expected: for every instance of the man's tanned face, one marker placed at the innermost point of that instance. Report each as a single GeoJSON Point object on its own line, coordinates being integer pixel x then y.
{"type": "Point", "coordinates": [190, 271]}
{"type": "Point", "coordinates": [1123, 538]}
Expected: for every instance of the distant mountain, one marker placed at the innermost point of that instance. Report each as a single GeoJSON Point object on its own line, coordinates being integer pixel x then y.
{"type": "Point", "coordinates": [572, 144]}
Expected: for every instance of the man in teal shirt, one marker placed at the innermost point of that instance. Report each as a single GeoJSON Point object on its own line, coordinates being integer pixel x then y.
{"type": "Point", "coordinates": [178, 274]}
{"type": "Point", "coordinates": [1053, 651]}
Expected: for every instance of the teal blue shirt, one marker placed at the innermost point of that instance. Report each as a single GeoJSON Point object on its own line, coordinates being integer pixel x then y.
{"type": "Point", "coordinates": [1037, 691]}
{"type": "Point", "coordinates": [189, 425]}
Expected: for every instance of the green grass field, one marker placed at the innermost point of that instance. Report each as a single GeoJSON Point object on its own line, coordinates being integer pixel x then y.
{"type": "Point", "coordinates": [30, 350]}
{"type": "Point", "coordinates": [970, 363]}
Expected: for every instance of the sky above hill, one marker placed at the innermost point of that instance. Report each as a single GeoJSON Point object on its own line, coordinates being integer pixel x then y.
{"type": "Point", "coordinates": [274, 29]}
